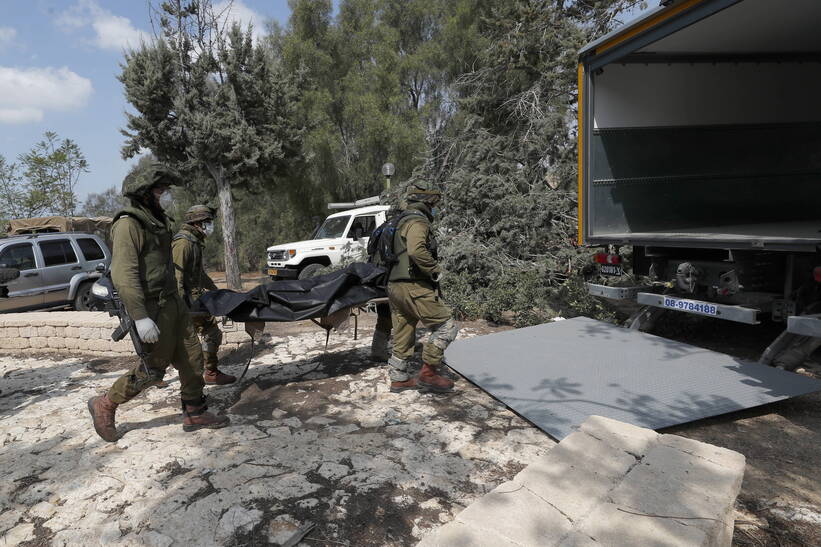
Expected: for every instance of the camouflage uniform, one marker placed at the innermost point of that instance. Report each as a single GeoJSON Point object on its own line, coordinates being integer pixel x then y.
{"type": "Point", "coordinates": [414, 297]}
{"type": "Point", "coordinates": [192, 281]}
{"type": "Point", "coordinates": [142, 272]}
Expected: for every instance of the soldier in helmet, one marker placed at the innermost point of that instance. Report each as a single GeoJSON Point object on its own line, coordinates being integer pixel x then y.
{"type": "Point", "coordinates": [143, 274]}
{"type": "Point", "coordinates": [414, 296]}
{"type": "Point", "coordinates": [192, 281]}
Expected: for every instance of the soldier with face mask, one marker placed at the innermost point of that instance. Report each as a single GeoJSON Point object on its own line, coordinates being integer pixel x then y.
{"type": "Point", "coordinates": [143, 274]}
{"type": "Point", "coordinates": [187, 248]}
{"type": "Point", "coordinates": [414, 296]}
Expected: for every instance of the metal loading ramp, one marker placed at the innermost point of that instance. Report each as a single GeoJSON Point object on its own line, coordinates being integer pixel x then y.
{"type": "Point", "coordinates": [557, 374]}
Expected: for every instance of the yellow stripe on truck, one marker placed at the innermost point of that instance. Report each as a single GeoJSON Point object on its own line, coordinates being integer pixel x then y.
{"type": "Point", "coordinates": [580, 132]}
{"type": "Point", "coordinates": [650, 23]}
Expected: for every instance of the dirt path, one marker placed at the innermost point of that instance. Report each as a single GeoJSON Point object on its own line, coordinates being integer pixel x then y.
{"type": "Point", "coordinates": [315, 437]}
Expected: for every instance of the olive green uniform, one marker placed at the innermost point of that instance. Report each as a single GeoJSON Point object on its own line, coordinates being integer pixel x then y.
{"type": "Point", "coordinates": [414, 297]}
{"type": "Point", "coordinates": [143, 275]}
{"type": "Point", "coordinates": [186, 251]}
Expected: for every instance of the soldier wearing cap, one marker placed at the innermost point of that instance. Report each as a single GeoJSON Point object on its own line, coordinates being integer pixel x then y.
{"type": "Point", "coordinates": [187, 249]}
{"type": "Point", "coordinates": [413, 291]}
{"type": "Point", "coordinates": [143, 274]}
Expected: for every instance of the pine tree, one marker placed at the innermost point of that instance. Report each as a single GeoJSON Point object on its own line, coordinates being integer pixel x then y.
{"type": "Point", "coordinates": [215, 105]}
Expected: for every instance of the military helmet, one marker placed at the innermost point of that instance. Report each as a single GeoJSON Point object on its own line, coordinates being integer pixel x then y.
{"type": "Point", "coordinates": [423, 191]}
{"type": "Point", "coordinates": [198, 213]}
{"type": "Point", "coordinates": [139, 181]}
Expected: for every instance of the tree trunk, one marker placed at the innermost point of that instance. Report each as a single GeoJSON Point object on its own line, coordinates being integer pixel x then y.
{"type": "Point", "coordinates": [229, 228]}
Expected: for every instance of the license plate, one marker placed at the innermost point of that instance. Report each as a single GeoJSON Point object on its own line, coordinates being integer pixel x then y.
{"type": "Point", "coordinates": [692, 306]}
{"type": "Point", "coordinates": [272, 272]}
{"type": "Point", "coordinates": [610, 269]}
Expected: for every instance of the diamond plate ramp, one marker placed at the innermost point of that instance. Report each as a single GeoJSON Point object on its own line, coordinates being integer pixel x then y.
{"type": "Point", "coordinates": [557, 374]}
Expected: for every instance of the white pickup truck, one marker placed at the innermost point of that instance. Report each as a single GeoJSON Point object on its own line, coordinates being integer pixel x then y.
{"type": "Point", "coordinates": [343, 233]}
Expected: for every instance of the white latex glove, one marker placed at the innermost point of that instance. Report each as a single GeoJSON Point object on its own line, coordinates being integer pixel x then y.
{"type": "Point", "coordinates": [147, 330]}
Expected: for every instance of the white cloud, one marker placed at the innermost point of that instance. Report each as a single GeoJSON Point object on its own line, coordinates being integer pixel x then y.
{"type": "Point", "coordinates": [242, 14]}
{"type": "Point", "coordinates": [25, 94]}
{"type": "Point", "coordinates": [7, 36]}
{"type": "Point", "coordinates": [112, 32]}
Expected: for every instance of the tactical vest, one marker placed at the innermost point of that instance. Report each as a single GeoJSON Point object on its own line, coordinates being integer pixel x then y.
{"type": "Point", "coordinates": [155, 266]}
{"type": "Point", "coordinates": [192, 280]}
{"type": "Point", "coordinates": [405, 269]}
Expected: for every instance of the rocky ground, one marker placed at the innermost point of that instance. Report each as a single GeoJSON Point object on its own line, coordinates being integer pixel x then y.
{"type": "Point", "coordinates": [315, 438]}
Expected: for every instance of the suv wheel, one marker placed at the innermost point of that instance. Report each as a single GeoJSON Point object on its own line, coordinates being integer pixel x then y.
{"type": "Point", "coordinates": [309, 271]}
{"type": "Point", "coordinates": [85, 301]}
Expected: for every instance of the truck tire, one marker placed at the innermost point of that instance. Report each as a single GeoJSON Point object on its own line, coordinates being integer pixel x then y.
{"type": "Point", "coordinates": [309, 271]}
{"type": "Point", "coordinates": [84, 300]}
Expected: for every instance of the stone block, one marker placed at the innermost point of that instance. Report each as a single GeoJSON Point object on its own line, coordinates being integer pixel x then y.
{"type": "Point", "coordinates": [99, 345]}
{"type": "Point", "coordinates": [58, 318]}
{"type": "Point", "coordinates": [456, 534]}
{"type": "Point", "coordinates": [630, 438]}
{"type": "Point", "coordinates": [72, 343]}
{"type": "Point", "coordinates": [515, 513]}
{"type": "Point", "coordinates": [83, 344]}
{"type": "Point", "coordinates": [10, 332]}
{"type": "Point", "coordinates": [716, 454]}
{"type": "Point", "coordinates": [56, 342]}
{"type": "Point", "coordinates": [86, 333]}
{"type": "Point", "coordinates": [608, 524]}
{"type": "Point", "coordinates": [60, 331]}
{"type": "Point", "coordinates": [665, 464]}
{"type": "Point", "coordinates": [16, 320]}
{"type": "Point", "coordinates": [14, 343]}
{"type": "Point", "coordinates": [46, 331]}
{"type": "Point", "coordinates": [576, 474]}
{"type": "Point", "coordinates": [38, 342]}
{"type": "Point", "coordinates": [28, 331]}
{"type": "Point", "coordinates": [72, 332]}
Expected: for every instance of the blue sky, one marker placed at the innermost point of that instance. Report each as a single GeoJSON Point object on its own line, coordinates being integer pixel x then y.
{"type": "Point", "coordinates": [58, 65]}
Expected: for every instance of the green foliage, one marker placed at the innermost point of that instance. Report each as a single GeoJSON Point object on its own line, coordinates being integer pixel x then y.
{"type": "Point", "coordinates": [103, 204]}
{"type": "Point", "coordinates": [44, 181]}
{"type": "Point", "coordinates": [217, 106]}
{"type": "Point", "coordinates": [507, 162]}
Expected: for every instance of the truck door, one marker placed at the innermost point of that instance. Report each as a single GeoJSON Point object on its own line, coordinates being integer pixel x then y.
{"type": "Point", "coordinates": [27, 290]}
{"type": "Point", "coordinates": [60, 265]}
{"type": "Point", "coordinates": [361, 229]}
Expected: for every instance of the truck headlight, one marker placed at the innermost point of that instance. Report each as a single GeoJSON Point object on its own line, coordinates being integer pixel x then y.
{"type": "Point", "coordinates": [99, 291]}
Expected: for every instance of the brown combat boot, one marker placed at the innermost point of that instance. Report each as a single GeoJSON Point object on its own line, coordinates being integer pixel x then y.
{"type": "Point", "coordinates": [217, 378]}
{"type": "Point", "coordinates": [195, 417]}
{"type": "Point", "coordinates": [429, 380]}
{"type": "Point", "coordinates": [102, 411]}
{"type": "Point", "coordinates": [398, 387]}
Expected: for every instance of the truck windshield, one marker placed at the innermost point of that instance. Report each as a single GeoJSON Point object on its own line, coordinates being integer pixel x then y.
{"type": "Point", "coordinates": [332, 228]}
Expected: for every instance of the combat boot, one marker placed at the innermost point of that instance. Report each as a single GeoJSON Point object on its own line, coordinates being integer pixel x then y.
{"type": "Point", "coordinates": [196, 417]}
{"type": "Point", "coordinates": [217, 378]}
{"type": "Point", "coordinates": [398, 387]}
{"type": "Point", "coordinates": [429, 380]}
{"type": "Point", "coordinates": [102, 411]}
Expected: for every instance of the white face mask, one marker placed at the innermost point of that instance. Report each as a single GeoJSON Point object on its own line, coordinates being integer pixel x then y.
{"type": "Point", "coordinates": [208, 228]}
{"type": "Point", "coordinates": [166, 200]}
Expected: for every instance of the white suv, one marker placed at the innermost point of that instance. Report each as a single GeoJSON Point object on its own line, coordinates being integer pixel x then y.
{"type": "Point", "coordinates": [343, 233]}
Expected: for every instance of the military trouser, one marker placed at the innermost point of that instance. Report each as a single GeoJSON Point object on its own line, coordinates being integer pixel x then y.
{"type": "Point", "coordinates": [211, 338]}
{"type": "Point", "coordinates": [178, 346]}
{"type": "Point", "coordinates": [413, 302]}
{"type": "Point", "coordinates": [382, 332]}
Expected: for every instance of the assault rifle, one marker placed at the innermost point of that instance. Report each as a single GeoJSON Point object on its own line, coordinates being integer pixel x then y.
{"type": "Point", "coordinates": [103, 289]}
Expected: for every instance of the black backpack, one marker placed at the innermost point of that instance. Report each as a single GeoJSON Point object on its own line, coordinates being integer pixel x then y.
{"type": "Point", "coordinates": [380, 244]}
